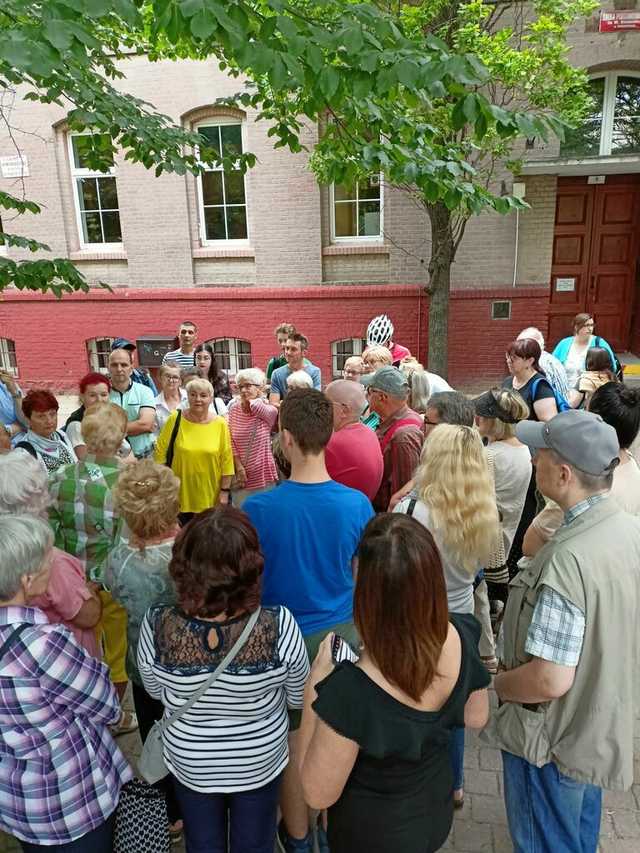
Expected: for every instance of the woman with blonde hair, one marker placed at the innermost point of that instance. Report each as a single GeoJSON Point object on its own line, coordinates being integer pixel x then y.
{"type": "Point", "coordinates": [376, 356]}
{"type": "Point", "coordinates": [86, 525]}
{"type": "Point", "coordinates": [456, 503]}
{"type": "Point", "coordinates": [172, 395]}
{"type": "Point", "coordinates": [137, 572]}
{"type": "Point", "coordinates": [196, 445]}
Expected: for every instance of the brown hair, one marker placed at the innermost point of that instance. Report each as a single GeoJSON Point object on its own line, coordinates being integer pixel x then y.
{"type": "Point", "coordinates": [527, 348]}
{"type": "Point", "coordinates": [39, 400]}
{"type": "Point", "coordinates": [400, 602]}
{"type": "Point", "coordinates": [217, 563]}
{"type": "Point", "coordinates": [599, 360]}
{"type": "Point", "coordinates": [299, 338]}
{"type": "Point", "coordinates": [581, 320]}
{"type": "Point", "coordinates": [285, 329]}
{"type": "Point", "coordinates": [308, 415]}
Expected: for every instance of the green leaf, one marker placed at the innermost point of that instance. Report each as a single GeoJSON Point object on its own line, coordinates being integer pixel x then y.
{"type": "Point", "coordinates": [203, 25]}
{"type": "Point", "coordinates": [328, 81]}
{"type": "Point", "coordinates": [278, 73]}
{"type": "Point", "coordinates": [191, 7]}
{"type": "Point", "coordinates": [58, 34]}
{"type": "Point", "coordinates": [408, 73]}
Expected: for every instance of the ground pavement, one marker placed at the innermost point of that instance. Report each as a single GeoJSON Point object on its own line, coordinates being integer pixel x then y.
{"type": "Point", "coordinates": [481, 823]}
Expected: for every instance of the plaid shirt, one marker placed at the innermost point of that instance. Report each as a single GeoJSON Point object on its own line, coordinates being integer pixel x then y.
{"type": "Point", "coordinates": [557, 626]}
{"type": "Point", "coordinates": [60, 769]}
{"type": "Point", "coordinates": [82, 513]}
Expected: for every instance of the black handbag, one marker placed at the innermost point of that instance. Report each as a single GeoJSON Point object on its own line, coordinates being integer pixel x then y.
{"type": "Point", "coordinates": [142, 825]}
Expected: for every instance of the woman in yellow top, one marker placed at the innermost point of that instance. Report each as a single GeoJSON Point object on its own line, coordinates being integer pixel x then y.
{"type": "Point", "coordinates": [202, 454]}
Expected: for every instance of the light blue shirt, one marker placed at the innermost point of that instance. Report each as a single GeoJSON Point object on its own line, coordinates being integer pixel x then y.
{"type": "Point", "coordinates": [279, 378]}
{"type": "Point", "coordinates": [136, 397]}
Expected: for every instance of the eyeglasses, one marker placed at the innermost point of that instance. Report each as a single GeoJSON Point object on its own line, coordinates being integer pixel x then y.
{"type": "Point", "coordinates": [431, 423]}
{"type": "Point", "coordinates": [247, 385]}
{"type": "Point", "coordinates": [172, 378]}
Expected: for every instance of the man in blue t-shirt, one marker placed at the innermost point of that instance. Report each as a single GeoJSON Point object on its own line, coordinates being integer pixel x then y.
{"type": "Point", "coordinates": [294, 351]}
{"type": "Point", "coordinates": [309, 529]}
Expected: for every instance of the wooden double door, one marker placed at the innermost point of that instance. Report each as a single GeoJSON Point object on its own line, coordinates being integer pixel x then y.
{"type": "Point", "coordinates": [595, 256]}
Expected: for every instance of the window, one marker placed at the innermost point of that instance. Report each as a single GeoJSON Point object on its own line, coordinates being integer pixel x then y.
{"type": "Point", "coordinates": [232, 354]}
{"type": "Point", "coordinates": [222, 192]}
{"type": "Point", "coordinates": [357, 210]}
{"type": "Point", "coordinates": [98, 351]}
{"type": "Point", "coordinates": [8, 361]}
{"type": "Point", "coordinates": [95, 193]}
{"type": "Point", "coordinates": [501, 310]}
{"type": "Point", "coordinates": [614, 124]}
{"type": "Point", "coordinates": [342, 350]}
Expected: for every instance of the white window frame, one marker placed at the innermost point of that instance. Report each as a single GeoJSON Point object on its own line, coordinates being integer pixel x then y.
{"type": "Point", "coordinates": [233, 354]}
{"type": "Point", "coordinates": [377, 238]}
{"type": "Point", "coordinates": [89, 173]}
{"type": "Point", "coordinates": [608, 107]}
{"type": "Point", "coordinates": [204, 241]}
{"type": "Point", "coordinates": [94, 356]}
{"type": "Point", "coordinates": [359, 346]}
{"type": "Point", "coordinates": [7, 355]}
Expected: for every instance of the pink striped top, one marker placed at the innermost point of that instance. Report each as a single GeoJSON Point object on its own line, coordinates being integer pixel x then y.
{"type": "Point", "coordinates": [260, 467]}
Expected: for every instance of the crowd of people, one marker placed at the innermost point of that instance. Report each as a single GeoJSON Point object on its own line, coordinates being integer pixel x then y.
{"type": "Point", "coordinates": [335, 573]}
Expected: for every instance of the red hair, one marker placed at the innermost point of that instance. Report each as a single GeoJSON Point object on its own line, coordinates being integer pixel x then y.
{"type": "Point", "coordinates": [400, 602]}
{"type": "Point", "coordinates": [39, 401]}
{"type": "Point", "coordinates": [94, 379]}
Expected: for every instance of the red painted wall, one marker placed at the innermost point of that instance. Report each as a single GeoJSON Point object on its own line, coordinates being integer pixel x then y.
{"type": "Point", "coordinates": [50, 335]}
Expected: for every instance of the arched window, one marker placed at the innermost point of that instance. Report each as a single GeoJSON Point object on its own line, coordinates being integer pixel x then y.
{"type": "Point", "coordinates": [222, 197]}
{"type": "Point", "coordinates": [8, 361]}
{"type": "Point", "coordinates": [613, 128]}
{"type": "Point", "coordinates": [232, 354]}
{"type": "Point", "coordinates": [344, 349]}
{"type": "Point", "coordinates": [98, 350]}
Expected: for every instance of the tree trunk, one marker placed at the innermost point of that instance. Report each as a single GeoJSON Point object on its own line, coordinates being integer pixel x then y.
{"type": "Point", "coordinates": [443, 251]}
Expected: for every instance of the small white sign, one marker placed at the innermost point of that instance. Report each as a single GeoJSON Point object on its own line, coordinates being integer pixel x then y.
{"type": "Point", "coordinates": [597, 179]}
{"type": "Point", "coordinates": [15, 166]}
{"type": "Point", "coordinates": [565, 285]}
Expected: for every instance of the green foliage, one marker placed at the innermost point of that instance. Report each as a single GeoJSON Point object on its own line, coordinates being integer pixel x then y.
{"type": "Point", "coordinates": [393, 86]}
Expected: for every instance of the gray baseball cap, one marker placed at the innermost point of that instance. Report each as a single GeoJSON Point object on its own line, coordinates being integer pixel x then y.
{"type": "Point", "coordinates": [581, 438]}
{"type": "Point", "coordinates": [388, 379]}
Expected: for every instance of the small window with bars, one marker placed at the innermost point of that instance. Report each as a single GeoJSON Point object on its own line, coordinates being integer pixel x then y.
{"type": "Point", "coordinates": [8, 361]}
{"type": "Point", "coordinates": [232, 354]}
{"type": "Point", "coordinates": [342, 350]}
{"type": "Point", "coordinates": [98, 352]}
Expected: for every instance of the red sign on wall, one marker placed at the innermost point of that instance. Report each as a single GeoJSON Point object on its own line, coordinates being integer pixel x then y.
{"type": "Point", "coordinates": [612, 22]}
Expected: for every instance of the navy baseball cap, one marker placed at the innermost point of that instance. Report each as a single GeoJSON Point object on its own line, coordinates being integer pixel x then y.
{"type": "Point", "coordinates": [122, 343]}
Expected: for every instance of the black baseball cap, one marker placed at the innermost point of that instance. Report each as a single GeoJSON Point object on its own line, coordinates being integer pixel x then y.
{"type": "Point", "coordinates": [486, 406]}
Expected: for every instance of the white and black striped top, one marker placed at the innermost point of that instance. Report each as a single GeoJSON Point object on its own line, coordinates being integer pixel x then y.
{"type": "Point", "coordinates": [235, 736]}
{"type": "Point", "coordinates": [178, 356]}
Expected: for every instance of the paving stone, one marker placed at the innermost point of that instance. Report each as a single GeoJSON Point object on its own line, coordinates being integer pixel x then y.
{"type": "Point", "coordinates": [490, 759]}
{"type": "Point", "coordinates": [471, 758]}
{"type": "Point", "coordinates": [619, 800]}
{"type": "Point", "coordinates": [471, 836]}
{"type": "Point", "coordinates": [501, 839]}
{"type": "Point", "coordinates": [485, 809]}
{"type": "Point", "coordinates": [626, 824]}
{"type": "Point", "coordinates": [481, 782]}
{"type": "Point", "coordinates": [619, 846]}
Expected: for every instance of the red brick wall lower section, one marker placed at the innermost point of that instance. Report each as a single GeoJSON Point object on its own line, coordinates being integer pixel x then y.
{"type": "Point", "coordinates": [50, 335]}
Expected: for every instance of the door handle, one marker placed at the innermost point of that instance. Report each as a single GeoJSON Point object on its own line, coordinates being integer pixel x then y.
{"type": "Point", "coordinates": [592, 286]}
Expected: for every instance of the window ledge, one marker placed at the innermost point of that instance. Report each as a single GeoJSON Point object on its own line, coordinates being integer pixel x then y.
{"type": "Point", "coordinates": [91, 255]}
{"type": "Point", "coordinates": [356, 249]}
{"type": "Point", "coordinates": [224, 253]}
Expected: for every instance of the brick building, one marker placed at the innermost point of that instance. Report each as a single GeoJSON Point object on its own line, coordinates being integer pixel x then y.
{"type": "Point", "coordinates": [237, 255]}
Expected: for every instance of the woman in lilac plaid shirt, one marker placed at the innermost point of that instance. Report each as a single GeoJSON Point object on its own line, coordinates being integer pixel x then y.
{"type": "Point", "coordinates": [60, 770]}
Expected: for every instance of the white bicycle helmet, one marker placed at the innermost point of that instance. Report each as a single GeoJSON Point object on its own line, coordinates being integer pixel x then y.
{"type": "Point", "coordinates": [379, 330]}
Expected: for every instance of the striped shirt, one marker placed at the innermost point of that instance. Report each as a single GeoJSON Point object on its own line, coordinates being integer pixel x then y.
{"type": "Point", "coordinates": [235, 736]}
{"type": "Point", "coordinates": [184, 360]}
{"type": "Point", "coordinates": [60, 769]}
{"type": "Point", "coordinates": [251, 441]}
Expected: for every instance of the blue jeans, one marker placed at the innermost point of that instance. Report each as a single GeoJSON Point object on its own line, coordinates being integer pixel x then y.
{"type": "Point", "coordinates": [251, 816]}
{"type": "Point", "coordinates": [99, 840]}
{"type": "Point", "coordinates": [547, 811]}
{"type": "Point", "coordinates": [456, 754]}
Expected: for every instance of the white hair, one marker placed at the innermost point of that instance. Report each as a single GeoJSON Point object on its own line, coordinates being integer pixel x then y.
{"type": "Point", "coordinates": [533, 334]}
{"type": "Point", "coordinates": [252, 376]}
{"type": "Point", "coordinates": [23, 485]}
{"type": "Point", "coordinates": [299, 379]}
{"type": "Point", "coordinates": [24, 542]}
